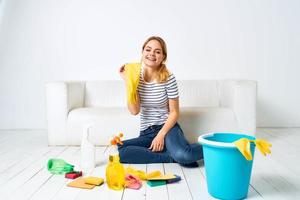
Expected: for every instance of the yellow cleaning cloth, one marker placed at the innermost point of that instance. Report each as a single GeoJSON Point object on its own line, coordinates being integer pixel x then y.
{"type": "Point", "coordinates": [132, 73]}
{"type": "Point", "coordinates": [243, 146]}
{"type": "Point", "coordinates": [141, 174]}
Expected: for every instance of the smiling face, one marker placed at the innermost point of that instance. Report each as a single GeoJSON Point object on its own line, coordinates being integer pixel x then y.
{"type": "Point", "coordinates": [153, 54]}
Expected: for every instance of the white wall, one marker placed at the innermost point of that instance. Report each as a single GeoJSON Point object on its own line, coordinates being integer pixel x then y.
{"type": "Point", "coordinates": [50, 40]}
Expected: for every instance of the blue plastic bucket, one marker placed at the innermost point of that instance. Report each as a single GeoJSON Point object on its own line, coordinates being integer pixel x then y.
{"type": "Point", "coordinates": [227, 170]}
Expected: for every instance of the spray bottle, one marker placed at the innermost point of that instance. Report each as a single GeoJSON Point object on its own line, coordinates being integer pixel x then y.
{"type": "Point", "coordinates": [115, 172]}
{"type": "Point", "coordinates": [87, 150]}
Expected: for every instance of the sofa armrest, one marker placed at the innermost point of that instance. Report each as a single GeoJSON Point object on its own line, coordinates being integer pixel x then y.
{"type": "Point", "coordinates": [61, 98]}
{"type": "Point", "coordinates": [240, 95]}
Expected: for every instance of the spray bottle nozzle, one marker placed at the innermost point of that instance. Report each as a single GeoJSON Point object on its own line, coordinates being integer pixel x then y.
{"type": "Point", "coordinates": [116, 140]}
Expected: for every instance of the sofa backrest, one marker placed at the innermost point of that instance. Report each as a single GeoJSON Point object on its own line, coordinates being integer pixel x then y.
{"type": "Point", "coordinates": [192, 93]}
{"type": "Point", "coordinates": [198, 93]}
{"type": "Point", "coordinates": [105, 94]}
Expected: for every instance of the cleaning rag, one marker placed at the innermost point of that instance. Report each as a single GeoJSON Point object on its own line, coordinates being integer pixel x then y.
{"type": "Point", "coordinates": [132, 182]}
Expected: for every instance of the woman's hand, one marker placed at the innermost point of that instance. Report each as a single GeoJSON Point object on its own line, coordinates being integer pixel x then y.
{"type": "Point", "coordinates": [122, 72]}
{"type": "Point", "coordinates": [158, 143]}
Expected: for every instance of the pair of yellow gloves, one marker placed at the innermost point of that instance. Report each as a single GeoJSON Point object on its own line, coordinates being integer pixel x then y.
{"type": "Point", "coordinates": [243, 146]}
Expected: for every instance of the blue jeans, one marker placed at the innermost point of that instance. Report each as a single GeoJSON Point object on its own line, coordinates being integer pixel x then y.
{"type": "Point", "coordinates": [176, 148]}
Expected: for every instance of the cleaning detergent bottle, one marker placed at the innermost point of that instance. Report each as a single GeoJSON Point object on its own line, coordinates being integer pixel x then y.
{"type": "Point", "coordinates": [87, 150]}
{"type": "Point", "coordinates": [115, 172]}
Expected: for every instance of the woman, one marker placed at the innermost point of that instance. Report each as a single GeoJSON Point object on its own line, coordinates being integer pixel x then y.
{"type": "Point", "coordinates": [161, 139]}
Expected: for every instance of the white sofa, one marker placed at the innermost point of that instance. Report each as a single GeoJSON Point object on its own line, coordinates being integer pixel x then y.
{"type": "Point", "coordinates": [205, 106]}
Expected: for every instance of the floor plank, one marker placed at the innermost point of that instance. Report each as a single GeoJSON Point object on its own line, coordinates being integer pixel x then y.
{"type": "Point", "coordinates": [22, 163]}
{"type": "Point", "coordinates": [159, 192]}
{"type": "Point", "coordinates": [40, 179]}
{"type": "Point", "coordinates": [196, 182]}
{"type": "Point", "coordinates": [8, 188]}
{"type": "Point", "coordinates": [179, 190]}
{"type": "Point", "coordinates": [130, 194]}
{"type": "Point", "coordinates": [54, 183]}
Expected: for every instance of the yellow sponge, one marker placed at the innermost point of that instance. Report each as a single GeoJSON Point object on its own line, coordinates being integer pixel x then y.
{"type": "Point", "coordinates": [93, 180]}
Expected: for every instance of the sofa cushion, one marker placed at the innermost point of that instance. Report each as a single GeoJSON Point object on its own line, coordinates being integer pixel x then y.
{"type": "Point", "coordinates": [197, 121]}
{"type": "Point", "coordinates": [107, 123]}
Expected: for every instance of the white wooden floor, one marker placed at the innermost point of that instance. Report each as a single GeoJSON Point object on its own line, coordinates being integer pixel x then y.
{"type": "Point", "coordinates": [23, 172]}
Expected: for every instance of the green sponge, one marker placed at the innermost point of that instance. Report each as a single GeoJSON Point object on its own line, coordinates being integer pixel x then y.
{"type": "Point", "coordinates": [156, 183]}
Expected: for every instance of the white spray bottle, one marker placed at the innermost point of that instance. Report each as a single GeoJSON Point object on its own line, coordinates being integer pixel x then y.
{"type": "Point", "coordinates": [87, 150]}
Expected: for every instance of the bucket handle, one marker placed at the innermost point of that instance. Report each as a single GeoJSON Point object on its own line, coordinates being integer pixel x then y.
{"type": "Point", "coordinates": [202, 140]}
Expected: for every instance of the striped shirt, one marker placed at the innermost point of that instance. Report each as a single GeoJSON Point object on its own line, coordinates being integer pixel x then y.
{"type": "Point", "coordinates": [154, 101]}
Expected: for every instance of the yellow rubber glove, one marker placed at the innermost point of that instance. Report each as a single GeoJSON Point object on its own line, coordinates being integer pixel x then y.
{"type": "Point", "coordinates": [137, 173]}
{"type": "Point", "coordinates": [132, 73]}
{"type": "Point", "coordinates": [141, 174]}
{"type": "Point", "coordinates": [243, 146]}
{"type": "Point", "coordinates": [263, 146]}
{"type": "Point", "coordinates": [153, 174]}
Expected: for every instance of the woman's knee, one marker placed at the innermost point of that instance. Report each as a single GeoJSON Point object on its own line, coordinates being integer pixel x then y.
{"type": "Point", "coordinates": [174, 134]}
{"type": "Point", "coordinates": [123, 154]}
{"type": "Point", "coordinates": [182, 157]}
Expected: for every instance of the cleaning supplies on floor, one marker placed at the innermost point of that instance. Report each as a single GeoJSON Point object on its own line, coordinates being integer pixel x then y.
{"type": "Point", "coordinates": [87, 150]}
{"type": "Point", "coordinates": [116, 176]}
{"type": "Point", "coordinates": [243, 146]}
{"type": "Point", "coordinates": [59, 166]}
{"type": "Point", "coordinates": [115, 172]}
{"type": "Point", "coordinates": [132, 73]}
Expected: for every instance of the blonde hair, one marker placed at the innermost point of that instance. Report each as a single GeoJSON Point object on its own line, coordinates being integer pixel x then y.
{"type": "Point", "coordinates": [163, 72]}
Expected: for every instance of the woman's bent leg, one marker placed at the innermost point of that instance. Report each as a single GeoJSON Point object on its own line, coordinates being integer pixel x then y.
{"type": "Point", "coordinates": [179, 148]}
{"type": "Point", "coordinates": [136, 151]}
{"type": "Point", "coordinates": [142, 155]}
